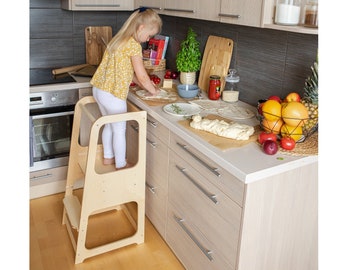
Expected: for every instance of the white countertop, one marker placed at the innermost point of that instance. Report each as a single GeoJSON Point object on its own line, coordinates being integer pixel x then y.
{"type": "Point", "coordinates": [248, 163]}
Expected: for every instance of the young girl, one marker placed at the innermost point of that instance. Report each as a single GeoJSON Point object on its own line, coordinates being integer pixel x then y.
{"type": "Point", "coordinates": [122, 63]}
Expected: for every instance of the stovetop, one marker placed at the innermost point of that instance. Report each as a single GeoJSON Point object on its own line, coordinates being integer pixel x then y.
{"type": "Point", "coordinates": [41, 76]}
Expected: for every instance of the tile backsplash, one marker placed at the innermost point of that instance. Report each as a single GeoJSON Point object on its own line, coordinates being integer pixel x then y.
{"type": "Point", "coordinates": [269, 62]}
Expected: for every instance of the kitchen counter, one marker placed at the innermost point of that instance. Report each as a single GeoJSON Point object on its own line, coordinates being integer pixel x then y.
{"type": "Point", "coordinates": [248, 163]}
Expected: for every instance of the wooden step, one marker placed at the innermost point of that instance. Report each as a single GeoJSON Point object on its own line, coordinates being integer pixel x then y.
{"type": "Point", "coordinates": [73, 209]}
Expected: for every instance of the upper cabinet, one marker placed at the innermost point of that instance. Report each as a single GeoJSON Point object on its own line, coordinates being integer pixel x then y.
{"type": "Point", "coordinates": [97, 4]}
{"type": "Point", "coordinates": [242, 12]}
{"type": "Point", "coordinates": [255, 13]}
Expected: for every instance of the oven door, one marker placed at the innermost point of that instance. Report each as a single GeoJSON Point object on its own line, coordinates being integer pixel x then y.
{"type": "Point", "coordinates": [50, 137]}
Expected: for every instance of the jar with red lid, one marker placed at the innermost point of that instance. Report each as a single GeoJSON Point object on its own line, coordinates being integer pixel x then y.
{"type": "Point", "coordinates": [214, 87]}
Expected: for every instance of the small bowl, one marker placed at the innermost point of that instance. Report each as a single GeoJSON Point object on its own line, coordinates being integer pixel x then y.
{"type": "Point", "coordinates": [188, 90]}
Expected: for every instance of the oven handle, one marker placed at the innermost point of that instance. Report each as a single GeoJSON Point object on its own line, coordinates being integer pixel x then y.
{"type": "Point", "coordinates": [31, 141]}
{"type": "Point", "coordinates": [48, 115]}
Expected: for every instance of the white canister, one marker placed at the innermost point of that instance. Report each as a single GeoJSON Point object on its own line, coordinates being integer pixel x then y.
{"type": "Point", "coordinates": [288, 12]}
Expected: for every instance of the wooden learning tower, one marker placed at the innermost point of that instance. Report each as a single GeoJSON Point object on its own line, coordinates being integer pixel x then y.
{"type": "Point", "coordinates": [109, 211]}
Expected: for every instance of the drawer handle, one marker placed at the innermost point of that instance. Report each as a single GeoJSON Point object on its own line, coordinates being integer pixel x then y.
{"type": "Point", "coordinates": [229, 15]}
{"type": "Point", "coordinates": [213, 170]}
{"type": "Point", "coordinates": [151, 188]}
{"type": "Point", "coordinates": [41, 176]}
{"type": "Point", "coordinates": [153, 144]}
{"type": "Point", "coordinates": [179, 10]}
{"type": "Point", "coordinates": [159, 8]}
{"type": "Point", "coordinates": [152, 123]}
{"type": "Point", "coordinates": [206, 252]}
{"type": "Point", "coordinates": [212, 197]}
{"type": "Point", "coordinates": [97, 5]}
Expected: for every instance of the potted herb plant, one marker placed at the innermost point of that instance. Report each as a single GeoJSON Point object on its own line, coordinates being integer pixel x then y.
{"type": "Point", "coordinates": [188, 58]}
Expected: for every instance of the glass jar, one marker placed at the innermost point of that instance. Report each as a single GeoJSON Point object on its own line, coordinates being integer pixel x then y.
{"type": "Point", "coordinates": [287, 12]}
{"type": "Point", "coordinates": [231, 93]}
{"type": "Point", "coordinates": [310, 16]}
{"type": "Point", "coordinates": [214, 87]}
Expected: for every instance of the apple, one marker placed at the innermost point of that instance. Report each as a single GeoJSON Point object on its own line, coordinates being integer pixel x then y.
{"type": "Point", "coordinates": [277, 98]}
{"type": "Point", "coordinates": [270, 147]}
{"type": "Point", "coordinates": [264, 136]}
{"type": "Point", "coordinates": [293, 96]}
{"type": "Point", "coordinates": [259, 105]}
{"type": "Point", "coordinates": [287, 143]}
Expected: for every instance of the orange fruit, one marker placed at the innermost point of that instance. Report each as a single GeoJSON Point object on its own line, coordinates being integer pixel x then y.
{"type": "Point", "coordinates": [271, 110]}
{"type": "Point", "coordinates": [290, 131]}
{"type": "Point", "coordinates": [272, 126]}
{"type": "Point", "coordinates": [294, 113]}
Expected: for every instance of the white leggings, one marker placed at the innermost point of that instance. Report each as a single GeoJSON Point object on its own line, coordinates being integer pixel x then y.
{"type": "Point", "coordinates": [113, 136]}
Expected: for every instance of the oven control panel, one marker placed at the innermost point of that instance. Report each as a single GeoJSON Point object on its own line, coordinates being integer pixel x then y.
{"type": "Point", "coordinates": [53, 98]}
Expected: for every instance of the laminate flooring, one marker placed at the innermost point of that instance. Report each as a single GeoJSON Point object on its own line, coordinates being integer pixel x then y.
{"type": "Point", "coordinates": [51, 248]}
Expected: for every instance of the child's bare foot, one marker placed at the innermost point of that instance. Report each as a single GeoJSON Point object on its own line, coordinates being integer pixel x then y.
{"type": "Point", "coordinates": [109, 161]}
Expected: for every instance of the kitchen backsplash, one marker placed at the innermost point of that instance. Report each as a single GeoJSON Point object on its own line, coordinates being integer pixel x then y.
{"type": "Point", "coordinates": [269, 62]}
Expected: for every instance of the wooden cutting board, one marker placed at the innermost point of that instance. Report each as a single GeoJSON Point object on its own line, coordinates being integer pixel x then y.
{"type": "Point", "coordinates": [216, 60]}
{"type": "Point", "coordinates": [96, 38]}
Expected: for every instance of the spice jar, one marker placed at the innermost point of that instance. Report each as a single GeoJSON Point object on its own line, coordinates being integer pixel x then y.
{"type": "Point", "coordinates": [231, 93]}
{"type": "Point", "coordinates": [214, 87]}
{"type": "Point", "coordinates": [287, 12]}
{"type": "Point", "coordinates": [310, 17]}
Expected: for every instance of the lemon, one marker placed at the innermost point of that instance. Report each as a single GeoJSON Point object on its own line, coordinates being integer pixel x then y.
{"type": "Point", "coordinates": [291, 131]}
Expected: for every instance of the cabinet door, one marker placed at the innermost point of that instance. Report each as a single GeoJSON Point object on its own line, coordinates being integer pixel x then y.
{"type": "Point", "coordinates": [243, 12]}
{"type": "Point", "coordinates": [187, 8]}
{"type": "Point", "coordinates": [154, 4]}
{"type": "Point", "coordinates": [97, 4]}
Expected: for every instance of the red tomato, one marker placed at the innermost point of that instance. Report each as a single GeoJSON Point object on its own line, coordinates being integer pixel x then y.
{"type": "Point", "coordinates": [287, 143]}
{"type": "Point", "coordinates": [168, 72]}
{"type": "Point", "coordinates": [264, 136]}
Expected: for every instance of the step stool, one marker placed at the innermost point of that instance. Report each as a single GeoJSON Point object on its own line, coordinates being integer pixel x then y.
{"type": "Point", "coordinates": [118, 195]}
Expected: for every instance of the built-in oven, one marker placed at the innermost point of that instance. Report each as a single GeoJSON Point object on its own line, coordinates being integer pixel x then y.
{"type": "Point", "coordinates": [51, 109]}
{"type": "Point", "coordinates": [51, 120]}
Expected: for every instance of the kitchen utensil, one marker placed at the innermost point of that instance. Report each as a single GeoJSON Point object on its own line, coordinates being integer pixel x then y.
{"type": "Point", "coordinates": [68, 69]}
{"type": "Point", "coordinates": [96, 38]}
{"type": "Point", "coordinates": [182, 109]}
{"type": "Point", "coordinates": [187, 90]}
{"type": "Point", "coordinates": [216, 60]}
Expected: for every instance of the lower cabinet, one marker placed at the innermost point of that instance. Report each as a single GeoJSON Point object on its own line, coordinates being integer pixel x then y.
{"type": "Point", "coordinates": [209, 218]}
{"type": "Point", "coordinates": [157, 168]}
{"type": "Point", "coordinates": [212, 220]}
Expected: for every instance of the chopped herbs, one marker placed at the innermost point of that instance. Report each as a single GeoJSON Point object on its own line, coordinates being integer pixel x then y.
{"type": "Point", "coordinates": [176, 108]}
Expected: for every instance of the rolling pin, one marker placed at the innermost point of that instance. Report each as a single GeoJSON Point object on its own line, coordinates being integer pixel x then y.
{"type": "Point", "coordinates": [68, 69]}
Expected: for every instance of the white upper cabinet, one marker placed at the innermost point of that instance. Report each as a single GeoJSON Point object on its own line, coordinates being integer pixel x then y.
{"type": "Point", "coordinates": [181, 8]}
{"type": "Point", "coordinates": [243, 12]}
{"type": "Point", "coordinates": [97, 4]}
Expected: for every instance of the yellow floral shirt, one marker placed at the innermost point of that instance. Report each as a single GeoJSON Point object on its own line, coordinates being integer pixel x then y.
{"type": "Point", "coordinates": [115, 72]}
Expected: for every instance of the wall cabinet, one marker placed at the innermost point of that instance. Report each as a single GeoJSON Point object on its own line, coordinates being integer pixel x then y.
{"type": "Point", "coordinates": [97, 4]}
{"type": "Point", "coordinates": [255, 13]}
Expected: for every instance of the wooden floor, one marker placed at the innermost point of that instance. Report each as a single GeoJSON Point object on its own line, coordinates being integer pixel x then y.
{"type": "Point", "coordinates": [51, 248]}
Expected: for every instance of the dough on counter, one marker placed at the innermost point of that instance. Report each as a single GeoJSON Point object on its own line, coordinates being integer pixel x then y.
{"type": "Point", "coordinates": [221, 128]}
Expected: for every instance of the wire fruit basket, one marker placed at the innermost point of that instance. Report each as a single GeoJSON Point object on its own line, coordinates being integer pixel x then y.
{"type": "Point", "coordinates": [297, 128]}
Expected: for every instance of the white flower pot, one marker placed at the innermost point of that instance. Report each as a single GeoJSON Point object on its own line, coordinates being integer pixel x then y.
{"type": "Point", "coordinates": [187, 77]}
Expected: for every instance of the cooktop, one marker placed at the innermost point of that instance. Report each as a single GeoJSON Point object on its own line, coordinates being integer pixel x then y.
{"type": "Point", "coordinates": [41, 76]}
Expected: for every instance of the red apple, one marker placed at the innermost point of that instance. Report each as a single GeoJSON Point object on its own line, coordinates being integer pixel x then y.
{"type": "Point", "coordinates": [293, 96]}
{"type": "Point", "coordinates": [270, 147]}
{"type": "Point", "coordinates": [277, 98]}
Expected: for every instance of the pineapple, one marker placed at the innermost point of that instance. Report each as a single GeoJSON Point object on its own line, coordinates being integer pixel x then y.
{"type": "Point", "coordinates": [311, 99]}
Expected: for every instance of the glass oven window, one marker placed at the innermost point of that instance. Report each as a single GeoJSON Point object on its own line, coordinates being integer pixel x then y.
{"type": "Point", "coordinates": [52, 135]}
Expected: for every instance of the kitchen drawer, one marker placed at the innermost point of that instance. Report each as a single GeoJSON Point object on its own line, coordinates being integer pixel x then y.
{"type": "Point", "coordinates": [229, 184]}
{"type": "Point", "coordinates": [159, 130]}
{"type": "Point", "coordinates": [215, 214]}
{"type": "Point", "coordinates": [156, 207]}
{"type": "Point", "coordinates": [190, 246]}
{"type": "Point", "coordinates": [157, 161]}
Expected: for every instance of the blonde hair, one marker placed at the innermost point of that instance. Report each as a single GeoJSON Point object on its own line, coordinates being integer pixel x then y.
{"type": "Point", "coordinates": [129, 29]}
